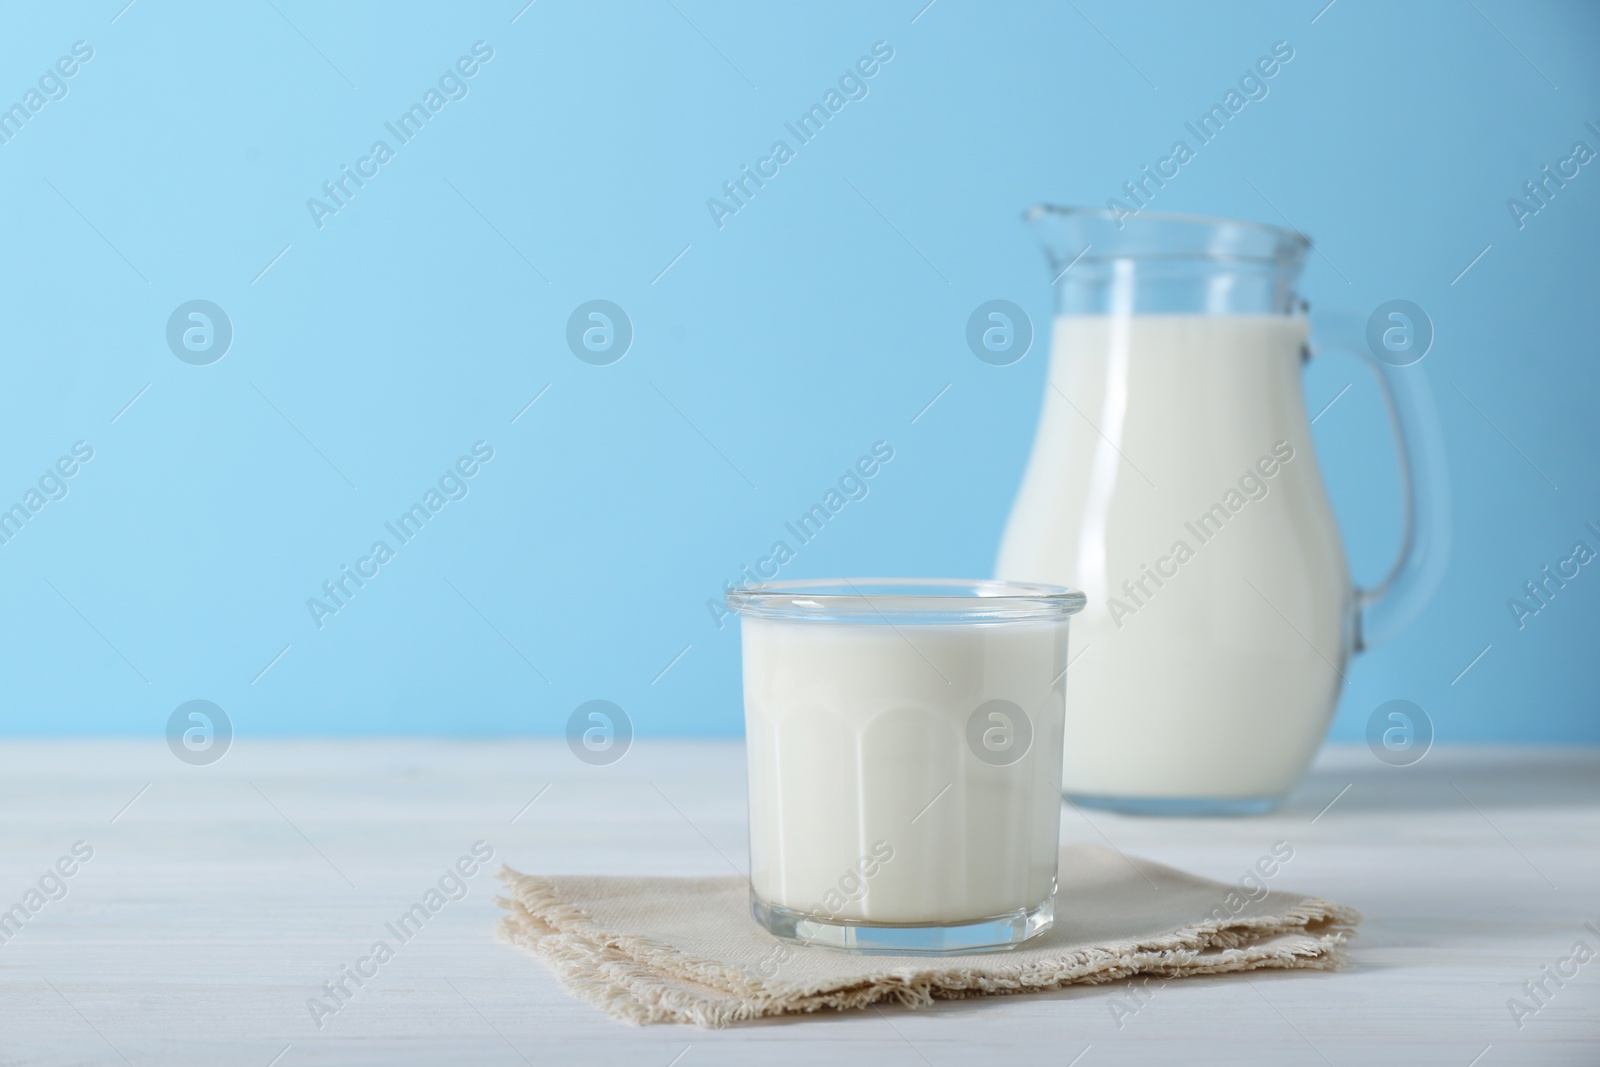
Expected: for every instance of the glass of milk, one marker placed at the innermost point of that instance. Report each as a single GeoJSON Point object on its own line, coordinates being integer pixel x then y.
{"type": "Point", "coordinates": [905, 743]}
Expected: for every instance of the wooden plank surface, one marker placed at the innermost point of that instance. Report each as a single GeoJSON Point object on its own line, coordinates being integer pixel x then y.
{"type": "Point", "coordinates": [221, 898]}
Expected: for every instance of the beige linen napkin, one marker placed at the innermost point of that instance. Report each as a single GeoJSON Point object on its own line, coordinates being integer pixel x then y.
{"type": "Point", "coordinates": [686, 950]}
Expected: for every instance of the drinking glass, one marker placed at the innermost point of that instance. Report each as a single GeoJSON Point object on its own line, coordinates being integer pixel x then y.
{"type": "Point", "coordinates": [904, 740]}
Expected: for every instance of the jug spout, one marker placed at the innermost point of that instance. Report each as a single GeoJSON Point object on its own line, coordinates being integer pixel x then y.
{"type": "Point", "coordinates": [1062, 233]}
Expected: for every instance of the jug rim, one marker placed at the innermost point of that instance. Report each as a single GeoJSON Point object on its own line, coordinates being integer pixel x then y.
{"type": "Point", "coordinates": [1041, 209]}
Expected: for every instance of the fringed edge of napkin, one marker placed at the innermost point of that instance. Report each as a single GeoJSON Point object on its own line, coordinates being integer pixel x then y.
{"type": "Point", "coordinates": [639, 980]}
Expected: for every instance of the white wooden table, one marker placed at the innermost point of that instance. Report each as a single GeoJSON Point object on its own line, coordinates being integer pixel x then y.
{"type": "Point", "coordinates": [219, 901]}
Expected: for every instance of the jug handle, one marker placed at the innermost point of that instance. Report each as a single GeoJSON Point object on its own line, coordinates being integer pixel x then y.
{"type": "Point", "coordinates": [1386, 608]}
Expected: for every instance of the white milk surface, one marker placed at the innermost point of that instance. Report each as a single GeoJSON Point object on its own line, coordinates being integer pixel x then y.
{"type": "Point", "coordinates": [867, 802]}
{"type": "Point", "coordinates": [1213, 672]}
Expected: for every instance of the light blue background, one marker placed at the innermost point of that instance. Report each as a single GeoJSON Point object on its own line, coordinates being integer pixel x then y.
{"type": "Point", "coordinates": [820, 319]}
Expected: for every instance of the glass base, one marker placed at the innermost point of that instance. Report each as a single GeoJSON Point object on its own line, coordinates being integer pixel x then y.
{"type": "Point", "coordinates": [996, 933]}
{"type": "Point", "coordinates": [1179, 806]}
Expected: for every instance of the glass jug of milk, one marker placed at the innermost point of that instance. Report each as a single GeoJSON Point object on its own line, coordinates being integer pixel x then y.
{"type": "Point", "coordinates": [1173, 480]}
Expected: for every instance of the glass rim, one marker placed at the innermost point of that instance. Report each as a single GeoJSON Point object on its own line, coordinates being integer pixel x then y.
{"type": "Point", "coordinates": [914, 600]}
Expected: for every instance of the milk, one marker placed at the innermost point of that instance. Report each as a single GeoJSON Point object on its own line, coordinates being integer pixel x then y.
{"type": "Point", "coordinates": [867, 802]}
{"type": "Point", "coordinates": [1208, 661]}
